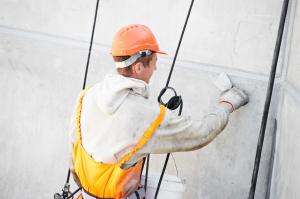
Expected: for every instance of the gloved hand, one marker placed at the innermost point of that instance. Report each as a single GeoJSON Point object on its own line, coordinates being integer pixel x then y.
{"type": "Point", "coordinates": [234, 97]}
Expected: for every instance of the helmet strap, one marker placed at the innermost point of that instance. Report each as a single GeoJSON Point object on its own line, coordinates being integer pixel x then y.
{"type": "Point", "coordinates": [133, 58]}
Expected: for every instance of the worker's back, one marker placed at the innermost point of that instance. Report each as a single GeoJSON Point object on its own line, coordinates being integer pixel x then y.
{"type": "Point", "coordinates": [115, 116]}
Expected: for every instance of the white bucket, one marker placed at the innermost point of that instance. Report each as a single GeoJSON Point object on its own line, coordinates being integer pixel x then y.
{"type": "Point", "coordinates": [171, 186]}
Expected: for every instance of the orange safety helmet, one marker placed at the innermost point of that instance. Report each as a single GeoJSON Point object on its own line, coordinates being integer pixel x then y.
{"type": "Point", "coordinates": [132, 39]}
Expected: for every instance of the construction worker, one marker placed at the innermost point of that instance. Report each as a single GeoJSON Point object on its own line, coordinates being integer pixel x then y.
{"type": "Point", "coordinates": [115, 124]}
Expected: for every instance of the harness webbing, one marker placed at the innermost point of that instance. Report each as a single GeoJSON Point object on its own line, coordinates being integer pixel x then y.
{"type": "Point", "coordinates": [84, 84]}
{"type": "Point", "coordinates": [147, 135]}
{"type": "Point", "coordinates": [167, 84]}
{"type": "Point", "coordinates": [112, 174]}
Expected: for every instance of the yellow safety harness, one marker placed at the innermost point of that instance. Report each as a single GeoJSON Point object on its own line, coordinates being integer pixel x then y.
{"type": "Point", "coordinates": [109, 180]}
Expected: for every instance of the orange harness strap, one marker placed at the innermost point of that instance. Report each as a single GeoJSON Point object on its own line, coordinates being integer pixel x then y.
{"type": "Point", "coordinates": [109, 180]}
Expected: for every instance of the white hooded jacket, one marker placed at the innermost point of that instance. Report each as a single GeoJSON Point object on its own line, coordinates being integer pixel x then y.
{"type": "Point", "coordinates": [116, 112]}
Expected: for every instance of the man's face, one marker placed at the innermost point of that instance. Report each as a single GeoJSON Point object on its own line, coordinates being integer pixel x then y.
{"type": "Point", "coordinates": [151, 68]}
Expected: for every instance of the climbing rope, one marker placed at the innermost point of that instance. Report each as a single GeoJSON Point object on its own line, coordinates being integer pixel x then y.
{"type": "Point", "coordinates": [172, 104]}
{"type": "Point", "coordinates": [268, 99]}
{"type": "Point", "coordinates": [66, 189]}
{"type": "Point", "coordinates": [176, 100]}
{"type": "Point", "coordinates": [90, 48]}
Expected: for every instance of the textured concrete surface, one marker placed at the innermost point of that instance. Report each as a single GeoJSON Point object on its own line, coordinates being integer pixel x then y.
{"type": "Point", "coordinates": [236, 34]}
{"type": "Point", "coordinates": [286, 172]}
{"type": "Point", "coordinates": [293, 72]}
{"type": "Point", "coordinates": [286, 176]}
{"type": "Point", "coordinates": [40, 93]}
{"type": "Point", "coordinates": [43, 51]}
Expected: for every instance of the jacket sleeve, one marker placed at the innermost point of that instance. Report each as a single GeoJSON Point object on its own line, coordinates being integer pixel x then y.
{"type": "Point", "coordinates": [181, 133]}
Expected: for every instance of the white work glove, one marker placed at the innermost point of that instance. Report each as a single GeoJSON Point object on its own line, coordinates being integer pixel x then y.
{"type": "Point", "coordinates": [234, 97]}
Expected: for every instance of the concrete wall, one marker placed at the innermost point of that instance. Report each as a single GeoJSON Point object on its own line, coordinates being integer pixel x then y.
{"type": "Point", "coordinates": [286, 173]}
{"type": "Point", "coordinates": [235, 34]}
{"type": "Point", "coordinates": [43, 49]}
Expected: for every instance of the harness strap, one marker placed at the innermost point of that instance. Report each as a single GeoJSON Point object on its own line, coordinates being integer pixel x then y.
{"type": "Point", "coordinates": [87, 195]}
{"type": "Point", "coordinates": [147, 135]}
{"type": "Point", "coordinates": [138, 194]}
{"type": "Point", "coordinates": [78, 114]}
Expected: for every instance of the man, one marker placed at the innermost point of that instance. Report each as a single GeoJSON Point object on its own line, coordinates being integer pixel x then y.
{"type": "Point", "coordinates": [116, 125]}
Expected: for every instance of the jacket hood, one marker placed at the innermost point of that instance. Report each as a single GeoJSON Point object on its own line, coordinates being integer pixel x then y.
{"type": "Point", "coordinates": [113, 90]}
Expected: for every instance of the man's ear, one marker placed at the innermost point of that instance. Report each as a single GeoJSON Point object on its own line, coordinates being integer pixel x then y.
{"type": "Point", "coordinates": [137, 68]}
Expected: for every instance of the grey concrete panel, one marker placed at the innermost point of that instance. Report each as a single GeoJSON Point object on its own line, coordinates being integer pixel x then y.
{"type": "Point", "coordinates": [294, 61]}
{"type": "Point", "coordinates": [235, 34]}
{"type": "Point", "coordinates": [285, 180]}
{"type": "Point", "coordinates": [286, 174]}
{"type": "Point", "coordinates": [39, 83]}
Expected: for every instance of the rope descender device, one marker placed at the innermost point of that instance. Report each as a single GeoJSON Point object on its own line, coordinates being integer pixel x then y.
{"type": "Point", "coordinates": [174, 102]}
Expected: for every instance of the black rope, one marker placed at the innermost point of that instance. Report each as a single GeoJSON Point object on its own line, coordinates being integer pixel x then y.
{"type": "Point", "coordinates": [162, 175]}
{"type": "Point", "coordinates": [179, 43]}
{"type": "Point", "coordinates": [143, 165]}
{"type": "Point", "coordinates": [268, 99]}
{"type": "Point", "coordinates": [85, 78]}
{"type": "Point", "coordinates": [91, 44]}
{"type": "Point", "coordinates": [72, 194]}
{"type": "Point", "coordinates": [147, 170]}
{"type": "Point", "coordinates": [68, 177]}
{"type": "Point", "coordinates": [167, 85]}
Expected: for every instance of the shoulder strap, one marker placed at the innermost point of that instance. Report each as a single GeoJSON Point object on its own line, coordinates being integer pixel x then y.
{"type": "Point", "coordinates": [147, 135]}
{"type": "Point", "coordinates": [78, 114]}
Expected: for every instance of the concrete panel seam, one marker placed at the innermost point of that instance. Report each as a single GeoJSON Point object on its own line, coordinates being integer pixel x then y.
{"type": "Point", "coordinates": [49, 37]}
{"type": "Point", "coordinates": [272, 159]}
{"type": "Point", "coordinates": [288, 38]}
{"type": "Point", "coordinates": [286, 89]}
{"type": "Point", "coordinates": [289, 90]}
{"type": "Point", "coordinates": [292, 91]}
{"type": "Point", "coordinates": [216, 69]}
{"type": "Point", "coordinates": [104, 48]}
